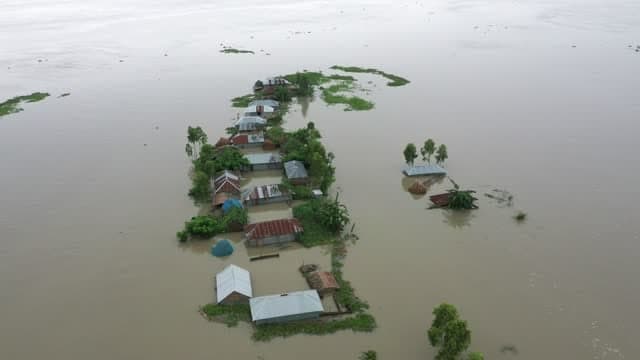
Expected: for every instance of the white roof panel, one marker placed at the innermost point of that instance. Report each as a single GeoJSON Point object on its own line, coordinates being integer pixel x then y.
{"type": "Point", "coordinates": [233, 279]}
{"type": "Point", "coordinates": [293, 303]}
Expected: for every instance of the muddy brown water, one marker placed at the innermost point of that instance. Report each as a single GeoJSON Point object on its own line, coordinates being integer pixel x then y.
{"type": "Point", "coordinates": [536, 97]}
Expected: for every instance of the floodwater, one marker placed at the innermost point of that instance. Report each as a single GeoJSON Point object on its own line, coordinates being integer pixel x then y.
{"type": "Point", "coordinates": [536, 97]}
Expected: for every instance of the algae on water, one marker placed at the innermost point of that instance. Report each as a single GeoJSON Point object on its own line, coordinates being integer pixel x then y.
{"type": "Point", "coordinates": [395, 79]}
{"type": "Point", "coordinates": [12, 106]}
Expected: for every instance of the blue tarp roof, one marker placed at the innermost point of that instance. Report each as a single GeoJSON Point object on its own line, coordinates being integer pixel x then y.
{"type": "Point", "coordinates": [230, 204]}
{"type": "Point", "coordinates": [422, 170]}
{"type": "Point", "coordinates": [222, 248]}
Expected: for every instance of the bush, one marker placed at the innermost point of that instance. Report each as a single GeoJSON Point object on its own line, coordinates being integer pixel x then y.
{"type": "Point", "coordinates": [204, 226]}
{"type": "Point", "coordinates": [369, 355]}
{"type": "Point", "coordinates": [182, 235]}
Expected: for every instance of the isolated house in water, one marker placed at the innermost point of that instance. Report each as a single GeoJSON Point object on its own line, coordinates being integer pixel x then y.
{"type": "Point", "coordinates": [272, 232]}
{"type": "Point", "coordinates": [296, 172]}
{"type": "Point", "coordinates": [233, 285]}
{"type": "Point", "coordinates": [293, 306]}
{"type": "Point", "coordinates": [424, 170]}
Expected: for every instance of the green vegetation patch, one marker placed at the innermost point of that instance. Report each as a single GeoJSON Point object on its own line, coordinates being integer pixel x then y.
{"type": "Point", "coordinates": [314, 232]}
{"type": "Point", "coordinates": [242, 101]}
{"type": "Point", "coordinates": [236, 51]}
{"type": "Point", "coordinates": [12, 106]}
{"type": "Point", "coordinates": [334, 94]}
{"type": "Point", "coordinates": [227, 314]}
{"type": "Point", "coordinates": [358, 323]}
{"type": "Point", "coordinates": [395, 80]}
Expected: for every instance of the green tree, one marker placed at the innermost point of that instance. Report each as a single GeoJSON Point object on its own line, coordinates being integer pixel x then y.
{"type": "Point", "coordinates": [276, 134]}
{"type": "Point", "coordinates": [475, 356]}
{"type": "Point", "coordinates": [441, 154]}
{"type": "Point", "coordinates": [230, 158]}
{"type": "Point", "coordinates": [196, 137]}
{"type": "Point", "coordinates": [304, 85]}
{"type": "Point", "coordinates": [448, 333]}
{"type": "Point", "coordinates": [462, 199]}
{"type": "Point", "coordinates": [201, 189]}
{"type": "Point", "coordinates": [369, 355]}
{"type": "Point", "coordinates": [410, 154]}
{"type": "Point", "coordinates": [282, 94]}
{"type": "Point", "coordinates": [427, 150]}
{"type": "Point", "coordinates": [333, 215]}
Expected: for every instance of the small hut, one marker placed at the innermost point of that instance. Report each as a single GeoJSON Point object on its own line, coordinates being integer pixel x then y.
{"type": "Point", "coordinates": [324, 282]}
{"type": "Point", "coordinates": [418, 188]}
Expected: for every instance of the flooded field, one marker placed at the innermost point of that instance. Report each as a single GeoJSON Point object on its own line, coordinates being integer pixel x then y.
{"type": "Point", "coordinates": [536, 97]}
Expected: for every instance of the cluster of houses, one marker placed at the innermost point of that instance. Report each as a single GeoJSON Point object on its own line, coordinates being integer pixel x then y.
{"type": "Point", "coordinates": [233, 286]}
{"type": "Point", "coordinates": [227, 184]}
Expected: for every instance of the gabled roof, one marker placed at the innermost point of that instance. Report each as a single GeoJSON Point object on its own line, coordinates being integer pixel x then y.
{"type": "Point", "coordinates": [295, 170]}
{"type": "Point", "coordinates": [227, 182]}
{"type": "Point", "coordinates": [421, 170]}
{"type": "Point", "coordinates": [263, 158]}
{"type": "Point", "coordinates": [265, 192]}
{"type": "Point", "coordinates": [293, 303]}
{"type": "Point", "coordinates": [227, 174]}
{"type": "Point", "coordinates": [233, 279]}
{"type": "Point", "coordinates": [250, 120]}
{"type": "Point", "coordinates": [279, 227]}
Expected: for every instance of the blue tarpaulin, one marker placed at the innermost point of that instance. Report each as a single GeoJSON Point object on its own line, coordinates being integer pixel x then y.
{"type": "Point", "coordinates": [222, 248]}
{"type": "Point", "coordinates": [230, 204]}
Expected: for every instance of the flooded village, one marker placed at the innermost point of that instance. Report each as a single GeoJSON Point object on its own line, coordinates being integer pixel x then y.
{"type": "Point", "coordinates": [349, 180]}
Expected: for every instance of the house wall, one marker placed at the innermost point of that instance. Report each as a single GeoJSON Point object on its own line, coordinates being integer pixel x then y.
{"type": "Point", "coordinates": [272, 240]}
{"type": "Point", "coordinates": [235, 298]}
{"type": "Point", "coordinates": [297, 317]}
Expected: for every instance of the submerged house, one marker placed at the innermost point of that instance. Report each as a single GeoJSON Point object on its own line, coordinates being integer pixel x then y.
{"type": "Point", "coordinates": [324, 282]}
{"type": "Point", "coordinates": [424, 170]}
{"type": "Point", "coordinates": [250, 123]}
{"type": "Point", "coordinates": [233, 286]}
{"type": "Point", "coordinates": [259, 110]}
{"type": "Point", "coordinates": [266, 194]}
{"type": "Point", "coordinates": [265, 102]}
{"type": "Point", "coordinates": [293, 306]}
{"type": "Point", "coordinates": [272, 232]}
{"type": "Point", "coordinates": [269, 85]}
{"type": "Point", "coordinates": [225, 186]}
{"type": "Point", "coordinates": [296, 172]}
{"type": "Point", "coordinates": [248, 140]}
{"type": "Point", "coordinates": [264, 161]}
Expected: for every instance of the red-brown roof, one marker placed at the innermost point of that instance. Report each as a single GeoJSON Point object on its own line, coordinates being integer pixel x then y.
{"type": "Point", "coordinates": [219, 199]}
{"type": "Point", "coordinates": [242, 139]}
{"type": "Point", "coordinates": [320, 280]}
{"type": "Point", "coordinates": [440, 199]}
{"type": "Point", "coordinates": [222, 142]}
{"type": "Point", "coordinates": [265, 229]}
{"type": "Point", "coordinates": [227, 182]}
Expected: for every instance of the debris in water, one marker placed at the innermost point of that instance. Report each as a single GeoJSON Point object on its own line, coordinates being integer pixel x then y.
{"type": "Point", "coordinates": [509, 349]}
{"type": "Point", "coordinates": [502, 197]}
{"type": "Point", "coordinates": [64, 95]}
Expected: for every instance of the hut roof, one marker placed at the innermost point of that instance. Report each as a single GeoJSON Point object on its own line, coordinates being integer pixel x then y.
{"type": "Point", "coordinates": [233, 279]}
{"type": "Point", "coordinates": [265, 192]}
{"type": "Point", "coordinates": [227, 182]}
{"type": "Point", "coordinates": [417, 188]}
{"type": "Point", "coordinates": [293, 303]}
{"type": "Point", "coordinates": [279, 227]}
{"type": "Point", "coordinates": [222, 142]}
{"type": "Point", "coordinates": [295, 170]}
{"type": "Point", "coordinates": [422, 170]}
{"type": "Point", "coordinates": [322, 280]}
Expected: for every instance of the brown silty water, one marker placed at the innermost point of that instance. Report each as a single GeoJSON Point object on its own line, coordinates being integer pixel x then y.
{"type": "Point", "coordinates": [535, 97]}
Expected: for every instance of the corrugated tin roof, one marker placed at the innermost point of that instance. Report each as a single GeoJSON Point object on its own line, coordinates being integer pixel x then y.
{"type": "Point", "coordinates": [293, 303]}
{"type": "Point", "coordinates": [295, 169]}
{"type": "Point", "coordinates": [265, 102]}
{"type": "Point", "coordinates": [424, 170]}
{"type": "Point", "coordinates": [265, 192]}
{"type": "Point", "coordinates": [227, 174]}
{"type": "Point", "coordinates": [323, 280]}
{"type": "Point", "coordinates": [279, 227]}
{"type": "Point", "coordinates": [251, 120]}
{"type": "Point", "coordinates": [233, 279]}
{"type": "Point", "coordinates": [227, 182]}
{"type": "Point", "coordinates": [263, 158]}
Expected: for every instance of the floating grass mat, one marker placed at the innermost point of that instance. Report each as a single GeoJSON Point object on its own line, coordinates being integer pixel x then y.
{"type": "Point", "coordinates": [334, 94]}
{"type": "Point", "coordinates": [395, 79]}
{"type": "Point", "coordinates": [236, 51]}
{"type": "Point", "coordinates": [12, 106]}
{"type": "Point", "coordinates": [242, 101]}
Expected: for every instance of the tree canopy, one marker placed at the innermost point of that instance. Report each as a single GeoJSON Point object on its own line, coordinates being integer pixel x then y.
{"type": "Point", "coordinates": [196, 137]}
{"type": "Point", "coordinates": [441, 154]}
{"type": "Point", "coordinates": [427, 150]}
{"type": "Point", "coordinates": [448, 333]}
{"type": "Point", "coordinates": [410, 154]}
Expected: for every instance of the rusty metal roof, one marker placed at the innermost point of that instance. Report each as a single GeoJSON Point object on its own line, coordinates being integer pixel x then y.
{"type": "Point", "coordinates": [279, 227]}
{"type": "Point", "coordinates": [322, 280]}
